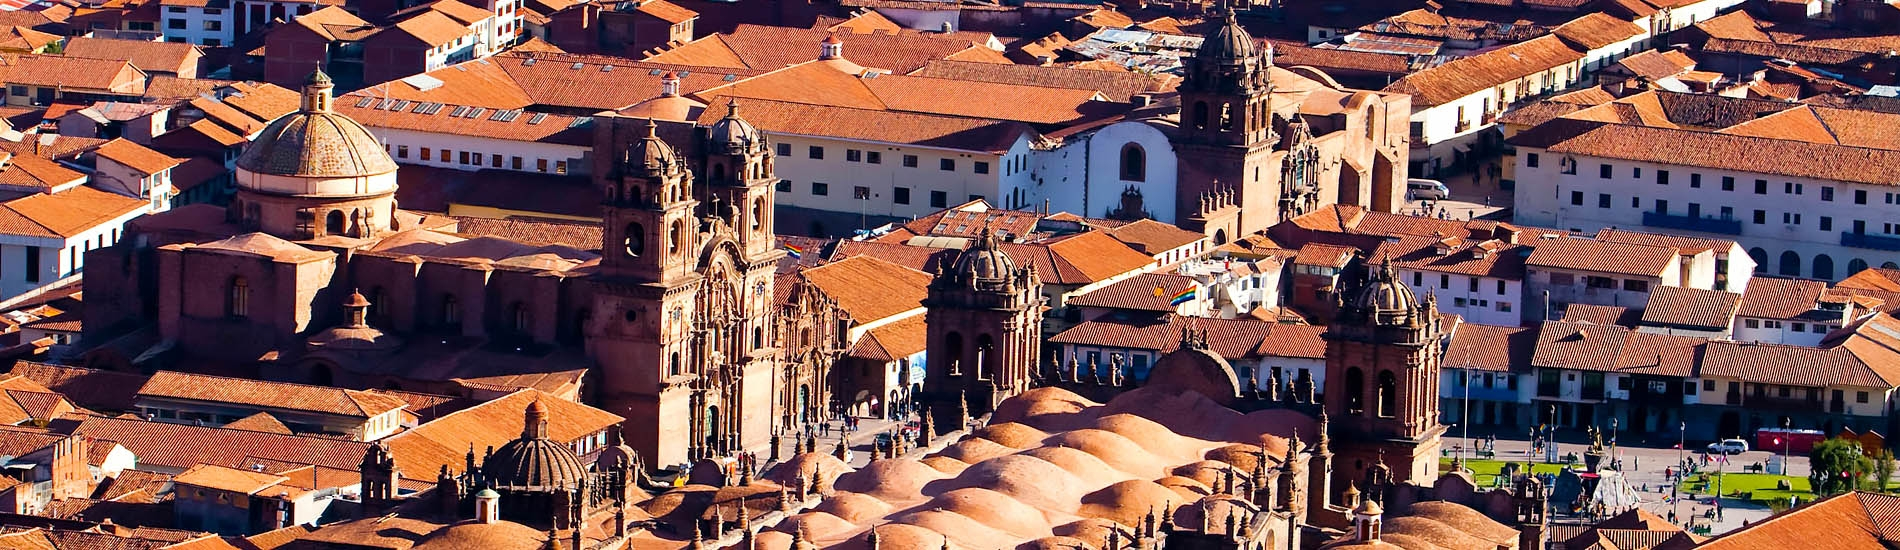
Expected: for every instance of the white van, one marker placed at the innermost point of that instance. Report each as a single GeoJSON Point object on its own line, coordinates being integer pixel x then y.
{"type": "Point", "coordinates": [1423, 189]}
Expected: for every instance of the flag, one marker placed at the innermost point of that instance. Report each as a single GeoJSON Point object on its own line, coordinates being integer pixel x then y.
{"type": "Point", "coordinates": [796, 252]}
{"type": "Point", "coordinates": [1184, 296]}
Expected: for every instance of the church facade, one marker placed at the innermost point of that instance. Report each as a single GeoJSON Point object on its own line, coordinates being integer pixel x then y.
{"type": "Point", "coordinates": [315, 274]}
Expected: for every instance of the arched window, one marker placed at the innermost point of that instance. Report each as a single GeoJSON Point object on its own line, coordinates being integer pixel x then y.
{"type": "Point", "coordinates": [1355, 391]}
{"type": "Point", "coordinates": [1856, 265]}
{"type": "Point", "coordinates": [635, 240]}
{"type": "Point", "coordinates": [237, 301]}
{"type": "Point", "coordinates": [1388, 394]}
{"type": "Point", "coordinates": [1134, 163]}
{"type": "Point", "coordinates": [953, 349]}
{"type": "Point", "coordinates": [519, 314]}
{"type": "Point", "coordinates": [1761, 259]}
{"type": "Point", "coordinates": [985, 355]}
{"type": "Point", "coordinates": [758, 214]}
{"type": "Point", "coordinates": [674, 237]}
{"type": "Point", "coordinates": [1889, 265]}
{"type": "Point", "coordinates": [451, 311]}
{"type": "Point", "coordinates": [1823, 267]}
{"type": "Point", "coordinates": [1790, 263]}
{"type": "Point", "coordinates": [673, 364]}
{"type": "Point", "coordinates": [718, 172]}
{"type": "Point", "coordinates": [1200, 115]}
{"type": "Point", "coordinates": [1227, 116]}
{"type": "Point", "coordinates": [333, 223]}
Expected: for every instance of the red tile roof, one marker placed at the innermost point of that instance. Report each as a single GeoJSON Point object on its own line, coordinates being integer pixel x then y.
{"type": "Point", "coordinates": [1601, 257]}
{"type": "Point", "coordinates": [1152, 237]}
{"type": "Point", "coordinates": [1491, 348]}
{"type": "Point", "coordinates": [179, 446]}
{"type": "Point", "coordinates": [1691, 308]}
{"type": "Point", "coordinates": [1147, 292]}
{"type": "Point", "coordinates": [135, 156]}
{"type": "Point", "coordinates": [767, 48]}
{"type": "Point", "coordinates": [446, 441]}
{"type": "Point", "coordinates": [1465, 76]}
{"type": "Point", "coordinates": [870, 289]}
{"type": "Point", "coordinates": [1849, 521]}
{"type": "Point", "coordinates": [267, 395]}
{"type": "Point", "coordinates": [1231, 338]}
{"type": "Point", "coordinates": [1774, 298]}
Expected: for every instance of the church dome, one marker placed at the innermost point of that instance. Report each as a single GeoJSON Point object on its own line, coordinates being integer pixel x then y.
{"type": "Point", "coordinates": [1384, 298]}
{"type": "Point", "coordinates": [984, 261]}
{"type": "Point", "coordinates": [650, 155]}
{"type": "Point", "coordinates": [733, 134]}
{"type": "Point", "coordinates": [533, 461]}
{"type": "Point", "coordinates": [500, 535]}
{"type": "Point", "coordinates": [315, 142]}
{"type": "Point", "coordinates": [1227, 43]}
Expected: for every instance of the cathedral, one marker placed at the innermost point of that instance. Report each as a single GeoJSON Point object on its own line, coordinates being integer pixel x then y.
{"type": "Point", "coordinates": [314, 274]}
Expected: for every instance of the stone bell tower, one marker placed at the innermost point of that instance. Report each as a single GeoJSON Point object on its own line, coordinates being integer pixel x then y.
{"type": "Point", "coordinates": [1382, 381]}
{"type": "Point", "coordinates": [984, 321]}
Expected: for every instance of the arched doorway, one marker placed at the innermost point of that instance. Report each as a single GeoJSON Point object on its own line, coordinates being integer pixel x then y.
{"type": "Point", "coordinates": [1856, 265]}
{"type": "Point", "coordinates": [1823, 267]}
{"type": "Point", "coordinates": [803, 405]}
{"type": "Point", "coordinates": [333, 223]}
{"type": "Point", "coordinates": [1790, 264]}
{"type": "Point", "coordinates": [1761, 259]}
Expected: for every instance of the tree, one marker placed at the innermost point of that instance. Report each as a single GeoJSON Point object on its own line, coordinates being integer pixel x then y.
{"type": "Point", "coordinates": [1883, 468]}
{"type": "Point", "coordinates": [1838, 466]}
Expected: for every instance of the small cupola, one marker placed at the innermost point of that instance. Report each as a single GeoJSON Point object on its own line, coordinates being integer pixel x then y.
{"type": "Point", "coordinates": [670, 84]}
{"type": "Point", "coordinates": [831, 48]}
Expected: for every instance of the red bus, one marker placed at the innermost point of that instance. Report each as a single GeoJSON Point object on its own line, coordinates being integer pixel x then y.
{"type": "Point", "coordinates": [1776, 440]}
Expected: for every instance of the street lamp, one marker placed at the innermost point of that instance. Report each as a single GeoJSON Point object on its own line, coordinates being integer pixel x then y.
{"type": "Point", "coordinates": [1787, 441]}
{"type": "Point", "coordinates": [1675, 486]}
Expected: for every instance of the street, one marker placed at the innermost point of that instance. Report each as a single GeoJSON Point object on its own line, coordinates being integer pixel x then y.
{"type": "Point", "coordinates": [1470, 199]}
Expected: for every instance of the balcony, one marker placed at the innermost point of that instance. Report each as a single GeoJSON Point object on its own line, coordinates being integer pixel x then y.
{"type": "Point", "coordinates": [1687, 223]}
{"type": "Point", "coordinates": [1464, 126]}
{"type": "Point", "coordinates": [1876, 242]}
{"type": "Point", "coordinates": [1489, 117]}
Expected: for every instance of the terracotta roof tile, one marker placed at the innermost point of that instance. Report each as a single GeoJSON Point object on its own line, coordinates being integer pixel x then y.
{"type": "Point", "coordinates": [767, 48]}
{"type": "Point", "coordinates": [446, 441]}
{"type": "Point", "coordinates": [180, 446]}
{"type": "Point", "coordinates": [864, 22]}
{"type": "Point", "coordinates": [897, 340]}
{"type": "Point", "coordinates": [1137, 293]}
{"type": "Point", "coordinates": [897, 289]}
{"type": "Point", "coordinates": [1115, 86]}
{"type": "Point", "coordinates": [1848, 521]}
{"type": "Point", "coordinates": [92, 389]}
{"type": "Point", "coordinates": [1775, 298]}
{"type": "Point", "coordinates": [1601, 315]}
{"type": "Point", "coordinates": [1691, 308]}
{"type": "Point", "coordinates": [1601, 257]}
{"type": "Point", "coordinates": [1564, 345]}
{"type": "Point", "coordinates": [165, 57]}
{"type": "Point", "coordinates": [969, 134]}
{"type": "Point", "coordinates": [65, 214]}
{"type": "Point", "coordinates": [537, 232]}
{"type": "Point", "coordinates": [1454, 255]}
{"type": "Point", "coordinates": [72, 73]}
{"type": "Point", "coordinates": [138, 157]}
{"type": "Point", "coordinates": [1294, 340]}
{"type": "Point", "coordinates": [666, 11]}
{"type": "Point", "coordinates": [431, 28]}
{"type": "Point", "coordinates": [227, 479]}
{"type": "Point", "coordinates": [1875, 278]}
{"type": "Point", "coordinates": [1787, 365]}
{"type": "Point", "coordinates": [1152, 237]}
{"type": "Point", "coordinates": [1465, 76]}
{"type": "Point", "coordinates": [1597, 30]}
{"type": "Point", "coordinates": [260, 422]}
{"type": "Point", "coordinates": [512, 125]}
{"type": "Point", "coordinates": [1491, 348]}
{"type": "Point", "coordinates": [1097, 255]}
{"type": "Point", "coordinates": [1325, 255]}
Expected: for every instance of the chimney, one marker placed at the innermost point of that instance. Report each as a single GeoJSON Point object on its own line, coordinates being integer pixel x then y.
{"type": "Point", "coordinates": [831, 48]}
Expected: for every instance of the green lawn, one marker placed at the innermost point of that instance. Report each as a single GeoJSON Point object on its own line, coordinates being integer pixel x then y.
{"type": "Point", "coordinates": [1755, 487]}
{"type": "Point", "coordinates": [1485, 472]}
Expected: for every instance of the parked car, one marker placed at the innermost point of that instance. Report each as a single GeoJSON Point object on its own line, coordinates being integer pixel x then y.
{"type": "Point", "coordinates": [1728, 447]}
{"type": "Point", "coordinates": [1424, 189]}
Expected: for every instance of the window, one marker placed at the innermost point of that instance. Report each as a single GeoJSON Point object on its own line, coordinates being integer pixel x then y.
{"type": "Point", "coordinates": [1636, 172]}
{"type": "Point", "coordinates": [816, 152]}
{"type": "Point", "coordinates": [32, 264]}
{"type": "Point", "coordinates": [175, 24]}
{"type": "Point", "coordinates": [981, 167]}
{"type": "Point", "coordinates": [19, 90]}
{"type": "Point", "coordinates": [947, 165]}
{"type": "Point", "coordinates": [1695, 181]}
{"type": "Point", "coordinates": [1592, 281]}
{"type": "Point", "coordinates": [1603, 200]}
{"type": "Point", "coordinates": [910, 161]}
{"type": "Point", "coordinates": [560, 166]}
{"type": "Point", "coordinates": [495, 160]}
{"type": "Point", "coordinates": [237, 301]}
{"type": "Point", "coordinates": [1860, 195]}
{"type": "Point", "coordinates": [853, 155]}
{"type": "Point", "coordinates": [1827, 194]}
{"type": "Point", "coordinates": [1790, 218]}
{"type": "Point", "coordinates": [784, 149]}
{"type": "Point", "coordinates": [1500, 288]}
{"type": "Point", "coordinates": [1576, 198]}
{"type": "Point", "coordinates": [1827, 223]}
{"type": "Point", "coordinates": [1761, 217]}
{"type": "Point", "coordinates": [1504, 307]}
{"type": "Point", "coordinates": [541, 165]}
{"type": "Point", "coordinates": [784, 186]}
{"type": "Point", "coordinates": [1662, 177]}
{"type": "Point", "coordinates": [939, 199]}
{"type": "Point", "coordinates": [1761, 187]}
{"type": "Point", "coordinates": [1473, 286]}
{"type": "Point", "coordinates": [1800, 327]}
{"type": "Point", "coordinates": [1662, 207]}
{"type": "Point", "coordinates": [900, 195]}
{"type": "Point", "coordinates": [1444, 281]}
{"type": "Point", "coordinates": [1751, 323]}
{"type": "Point", "coordinates": [425, 154]}
{"type": "Point", "coordinates": [1636, 202]}
{"type": "Point", "coordinates": [820, 189]}
{"type": "Point", "coordinates": [860, 192]}
{"type": "Point", "coordinates": [1791, 188]}
{"type": "Point", "coordinates": [402, 151]}
{"type": "Point", "coordinates": [873, 157]}
{"type": "Point", "coordinates": [444, 156]}
{"type": "Point", "coordinates": [515, 162]}
{"type": "Point", "coordinates": [464, 157]}
{"type": "Point", "coordinates": [214, 25]}
{"type": "Point", "coordinates": [1529, 160]}
{"type": "Point", "coordinates": [1860, 397]}
{"type": "Point", "coordinates": [1728, 183]}
{"type": "Point", "coordinates": [1604, 171]}
{"type": "Point", "coordinates": [1634, 285]}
